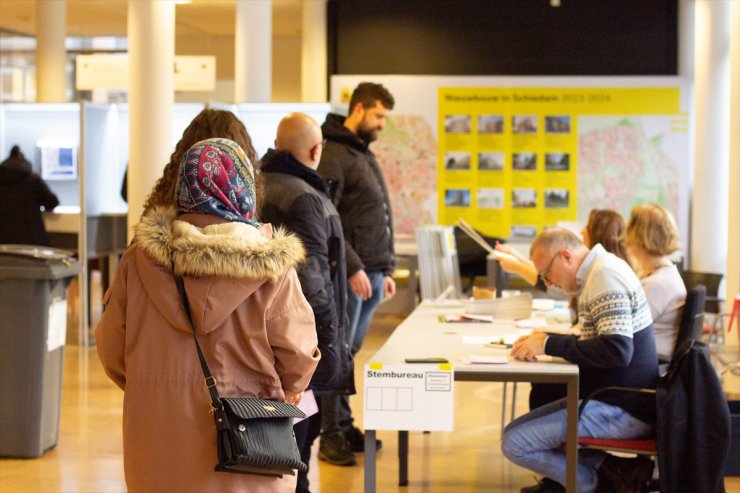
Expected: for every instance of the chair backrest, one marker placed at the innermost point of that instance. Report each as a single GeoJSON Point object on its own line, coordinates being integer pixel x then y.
{"type": "Point", "coordinates": [692, 414]}
{"type": "Point", "coordinates": [692, 318]}
{"type": "Point", "coordinates": [710, 281]}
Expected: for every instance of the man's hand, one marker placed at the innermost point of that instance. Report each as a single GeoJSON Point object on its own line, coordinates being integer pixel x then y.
{"type": "Point", "coordinates": [389, 286]}
{"type": "Point", "coordinates": [527, 348]}
{"type": "Point", "coordinates": [360, 285]}
{"type": "Point", "coordinates": [292, 397]}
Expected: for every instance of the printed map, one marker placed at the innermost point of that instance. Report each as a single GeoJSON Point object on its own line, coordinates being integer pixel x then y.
{"type": "Point", "coordinates": [623, 161]}
{"type": "Point", "coordinates": [407, 153]}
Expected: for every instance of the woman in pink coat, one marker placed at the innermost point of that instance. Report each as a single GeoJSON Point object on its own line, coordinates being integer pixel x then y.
{"type": "Point", "coordinates": [254, 325]}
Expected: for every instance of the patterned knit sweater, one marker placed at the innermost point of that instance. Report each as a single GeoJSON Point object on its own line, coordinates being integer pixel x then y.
{"type": "Point", "coordinates": [617, 343]}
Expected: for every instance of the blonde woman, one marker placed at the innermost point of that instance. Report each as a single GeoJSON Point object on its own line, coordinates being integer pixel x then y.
{"type": "Point", "coordinates": [651, 236]}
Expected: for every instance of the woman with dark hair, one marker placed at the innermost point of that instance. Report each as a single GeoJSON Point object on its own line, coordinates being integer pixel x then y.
{"type": "Point", "coordinates": [606, 227]}
{"type": "Point", "coordinates": [253, 323]}
{"type": "Point", "coordinates": [208, 124]}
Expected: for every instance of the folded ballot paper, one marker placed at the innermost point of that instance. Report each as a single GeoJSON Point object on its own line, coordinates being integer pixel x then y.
{"type": "Point", "coordinates": [511, 308]}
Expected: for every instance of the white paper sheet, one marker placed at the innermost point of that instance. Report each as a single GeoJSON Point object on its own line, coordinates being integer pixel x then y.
{"type": "Point", "coordinates": [308, 405]}
{"type": "Point", "coordinates": [56, 336]}
{"type": "Point", "coordinates": [414, 397]}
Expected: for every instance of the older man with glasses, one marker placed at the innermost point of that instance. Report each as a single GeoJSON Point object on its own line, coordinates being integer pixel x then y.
{"type": "Point", "coordinates": [616, 346]}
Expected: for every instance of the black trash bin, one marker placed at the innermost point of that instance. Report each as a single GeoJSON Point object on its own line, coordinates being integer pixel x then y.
{"type": "Point", "coordinates": [33, 327]}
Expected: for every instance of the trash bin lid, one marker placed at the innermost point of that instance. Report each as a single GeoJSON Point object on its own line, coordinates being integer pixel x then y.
{"type": "Point", "coordinates": [36, 262]}
{"type": "Point", "coordinates": [36, 251]}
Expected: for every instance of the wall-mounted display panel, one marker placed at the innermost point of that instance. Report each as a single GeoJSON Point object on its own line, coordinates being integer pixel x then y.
{"type": "Point", "coordinates": [513, 155]}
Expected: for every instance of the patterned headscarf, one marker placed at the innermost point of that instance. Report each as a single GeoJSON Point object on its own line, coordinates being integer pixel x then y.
{"type": "Point", "coordinates": [217, 178]}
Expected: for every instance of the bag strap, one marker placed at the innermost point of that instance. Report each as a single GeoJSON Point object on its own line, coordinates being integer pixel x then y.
{"type": "Point", "coordinates": [216, 405]}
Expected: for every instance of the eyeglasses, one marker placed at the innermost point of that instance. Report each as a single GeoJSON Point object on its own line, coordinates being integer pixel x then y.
{"type": "Point", "coordinates": [545, 276]}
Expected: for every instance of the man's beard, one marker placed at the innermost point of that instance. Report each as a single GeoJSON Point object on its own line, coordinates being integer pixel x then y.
{"type": "Point", "coordinates": [368, 134]}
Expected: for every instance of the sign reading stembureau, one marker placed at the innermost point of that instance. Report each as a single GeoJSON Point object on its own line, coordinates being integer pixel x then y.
{"type": "Point", "coordinates": [413, 397]}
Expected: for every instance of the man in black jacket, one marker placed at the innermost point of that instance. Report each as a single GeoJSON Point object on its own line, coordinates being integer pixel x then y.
{"type": "Point", "coordinates": [22, 194]}
{"type": "Point", "coordinates": [295, 196]}
{"type": "Point", "coordinates": [358, 190]}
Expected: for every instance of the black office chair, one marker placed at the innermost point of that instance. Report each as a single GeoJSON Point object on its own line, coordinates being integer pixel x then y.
{"type": "Point", "coordinates": [710, 281]}
{"type": "Point", "coordinates": [713, 304]}
{"type": "Point", "coordinates": [683, 433]}
{"type": "Point", "coordinates": [692, 318]}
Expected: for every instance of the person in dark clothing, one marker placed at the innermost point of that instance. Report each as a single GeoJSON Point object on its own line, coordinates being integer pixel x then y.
{"type": "Point", "coordinates": [23, 194]}
{"type": "Point", "coordinates": [296, 197]}
{"type": "Point", "coordinates": [358, 190]}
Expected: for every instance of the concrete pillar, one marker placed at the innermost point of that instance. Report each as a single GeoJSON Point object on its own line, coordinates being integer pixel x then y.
{"type": "Point", "coordinates": [733, 228]}
{"type": "Point", "coordinates": [51, 55]}
{"type": "Point", "coordinates": [314, 52]}
{"type": "Point", "coordinates": [151, 52]}
{"type": "Point", "coordinates": [253, 52]}
{"type": "Point", "coordinates": [709, 213]}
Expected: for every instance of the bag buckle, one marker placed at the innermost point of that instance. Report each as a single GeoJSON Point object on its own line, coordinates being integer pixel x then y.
{"type": "Point", "coordinates": [211, 381]}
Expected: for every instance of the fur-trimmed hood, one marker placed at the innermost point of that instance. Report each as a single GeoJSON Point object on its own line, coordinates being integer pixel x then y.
{"type": "Point", "coordinates": [236, 250]}
{"type": "Point", "coordinates": [222, 265]}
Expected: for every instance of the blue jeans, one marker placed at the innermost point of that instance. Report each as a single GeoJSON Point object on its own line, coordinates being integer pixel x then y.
{"type": "Point", "coordinates": [359, 312]}
{"type": "Point", "coordinates": [534, 440]}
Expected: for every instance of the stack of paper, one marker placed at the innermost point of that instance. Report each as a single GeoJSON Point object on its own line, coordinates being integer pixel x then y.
{"type": "Point", "coordinates": [439, 271]}
{"type": "Point", "coordinates": [511, 308]}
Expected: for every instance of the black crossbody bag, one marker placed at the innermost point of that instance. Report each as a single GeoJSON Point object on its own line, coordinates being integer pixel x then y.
{"type": "Point", "coordinates": [253, 436]}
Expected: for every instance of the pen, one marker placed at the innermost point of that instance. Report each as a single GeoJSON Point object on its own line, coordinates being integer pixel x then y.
{"type": "Point", "coordinates": [498, 345]}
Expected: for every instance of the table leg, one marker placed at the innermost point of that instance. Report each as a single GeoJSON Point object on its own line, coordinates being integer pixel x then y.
{"type": "Point", "coordinates": [571, 447]}
{"type": "Point", "coordinates": [403, 458]}
{"type": "Point", "coordinates": [370, 461]}
{"type": "Point", "coordinates": [493, 274]}
{"type": "Point", "coordinates": [503, 409]}
{"type": "Point", "coordinates": [413, 272]}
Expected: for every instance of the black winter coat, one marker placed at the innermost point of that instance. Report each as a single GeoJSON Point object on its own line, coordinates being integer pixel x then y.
{"type": "Point", "coordinates": [693, 424]}
{"type": "Point", "coordinates": [358, 190]}
{"type": "Point", "coordinates": [22, 194]}
{"type": "Point", "coordinates": [295, 197]}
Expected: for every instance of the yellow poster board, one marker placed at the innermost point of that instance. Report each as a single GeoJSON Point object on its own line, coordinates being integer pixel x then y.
{"type": "Point", "coordinates": [508, 160]}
